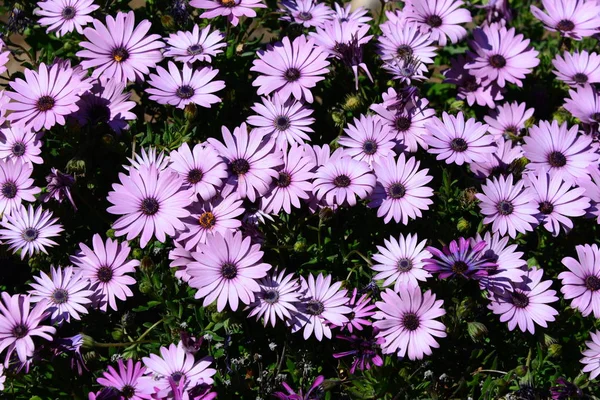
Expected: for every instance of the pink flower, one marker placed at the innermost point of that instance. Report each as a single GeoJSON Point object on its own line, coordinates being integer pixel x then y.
{"type": "Point", "coordinates": [232, 9]}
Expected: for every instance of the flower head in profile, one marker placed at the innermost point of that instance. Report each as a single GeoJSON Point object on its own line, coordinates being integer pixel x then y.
{"type": "Point", "coordinates": [197, 45]}
{"type": "Point", "coordinates": [308, 13]}
{"type": "Point", "coordinates": [407, 322]}
{"type": "Point", "coordinates": [277, 298]}
{"type": "Point", "coordinates": [362, 309]}
{"type": "Point", "coordinates": [508, 120]}
{"type": "Point", "coordinates": [441, 18]}
{"type": "Point", "coordinates": [20, 143]}
{"type": "Point", "coordinates": [575, 19]}
{"type": "Point", "coordinates": [470, 88]}
{"type": "Point", "coordinates": [64, 16]}
{"type": "Point", "coordinates": [232, 9]}
{"type": "Point", "coordinates": [369, 139]}
{"type": "Point", "coordinates": [365, 352]}
{"type": "Point", "coordinates": [581, 283]}
{"type": "Point", "coordinates": [577, 69]}
{"type": "Point", "coordinates": [499, 162]}
{"type": "Point", "coordinates": [293, 395]}
{"type": "Point", "coordinates": [126, 380]}
{"type": "Point", "coordinates": [341, 180]}
{"type": "Point", "coordinates": [584, 104]}
{"type": "Point", "coordinates": [16, 184]}
{"type": "Point", "coordinates": [59, 187]}
{"type": "Point", "coordinates": [591, 356]}
{"type": "Point", "coordinates": [462, 258]}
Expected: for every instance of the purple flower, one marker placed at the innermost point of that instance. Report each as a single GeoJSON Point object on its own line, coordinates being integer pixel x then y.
{"type": "Point", "coordinates": [66, 291]}
{"type": "Point", "coordinates": [126, 380]}
{"type": "Point", "coordinates": [458, 141]}
{"type": "Point", "coordinates": [498, 162]}
{"type": "Point", "coordinates": [151, 203]}
{"type": "Point", "coordinates": [508, 120]}
{"type": "Point", "coordinates": [471, 88]}
{"type": "Point", "coordinates": [441, 18]}
{"type": "Point", "coordinates": [591, 356]}
{"type": "Point", "coordinates": [584, 104]}
{"type": "Point", "coordinates": [401, 262]}
{"type": "Point", "coordinates": [346, 13]}
{"type": "Point", "coordinates": [341, 180]}
{"type": "Point", "coordinates": [72, 347]}
{"type": "Point", "coordinates": [277, 298]}
{"type": "Point", "coordinates": [571, 18]}
{"type": "Point", "coordinates": [226, 269]}
{"type": "Point", "coordinates": [565, 390]}
{"type": "Point", "coordinates": [45, 97]}
{"type": "Point", "coordinates": [582, 281]}
{"type": "Point", "coordinates": [509, 207]}
{"type": "Point", "coordinates": [370, 139]}
{"type": "Point", "coordinates": [64, 16]}
{"type": "Point", "coordinates": [497, 11]}
{"type": "Point", "coordinates": [292, 395]}
{"type": "Point", "coordinates": [290, 68]}
{"type": "Point", "coordinates": [464, 258]}
{"type": "Point", "coordinates": [559, 150]}
{"type": "Point", "coordinates": [19, 323]}
{"type": "Point", "coordinates": [59, 187]}
{"type": "Point", "coordinates": [251, 161]}
{"type": "Point", "coordinates": [232, 9]}
{"type": "Point", "coordinates": [364, 352]}
{"type": "Point", "coordinates": [405, 69]}
{"type": "Point", "coordinates": [106, 267]}
{"type": "Point", "coordinates": [197, 45]}
{"type": "Point", "coordinates": [407, 322]}
{"type": "Point", "coordinates": [180, 88]}
{"type": "Point", "coordinates": [361, 310]}
{"type": "Point", "coordinates": [29, 230]}
{"type": "Point", "coordinates": [402, 39]}
{"type": "Point", "coordinates": [526, 304]}
{"type": "Point", "coordinates": [147, 158]}
{"type": "Point", "coordinates": [16, 184]}
{"type": "Point", "coordinates": [307, 13]}
{"type": "Point", "coordinates": [577, 69]}
{"type": "Point", "coordinates": [118, 51]}
{"type": "Point", "coordinates": [20, 143]}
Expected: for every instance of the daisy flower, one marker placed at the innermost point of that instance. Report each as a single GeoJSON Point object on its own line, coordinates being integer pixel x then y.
{"type": "Point", "coordinates": [180, 88]}
{"type": "Point", "coordinates": [22, 144]}
{"type": "Point", "coordinates": [66, 291]}
{"type": "Point", "coordinates": [341, 180]}
{"type": "Point", "coordinates": [400, 193]}
{"type": "Point", "coordinates": [232, 9]}
{"type": "Point", "coordinates": [307, 13]}
{"type": "Point", "coordinates": [291, 393]}
{"type": "Point", "coordinates": [197, 45]}
{"type": "Point", "coordinates": [16, 184]}
{"type": "Point", "coordinates": [364, 352]}
{"type": "Point", "coordinates": [106, 267]}
{"type": "Point", "coordinates": [151, 202]}
{"type": "Point", "coordinates": [19, 323]}
{"type": "Point", "coordinates": [526, 305]}
{"type": "Point", "coordinates": [405, 69]}
{"type": "Point", "coordinates": [470, 88]}
{"type": "Point", "coordinates": [64, 16]}
{"type": "Point", "coordinates": [226, 269]}
{"type": "Point", "coordinates": [277, 298]}
{"type": "Point", "coordinates": [370, 139]}
{"type": "Point", "coordinates": [577, 69]}
{"type": "Point", "coordinates": [498, 162]}
{"type": "Point", "coordinates": [591, 356]}
{"type": "Point", "coordinates": [582, 280]}
{"type": "Point", "coordinates": [508, 120]}
{"type": "Point", "coordinates": [361, 310]}
{"type": "Point", "coordinates": [126, 380]}
{"type": "Point", "coordinates": [584, 104]}
{"type": "Point", "coordinates": [402, 39]}
{"type": "Point", "coordinates": [29, 230]}
{"type": "Point", "coordinates": [458, 141]}
{"type": "Point", "coordinates": [441, 18]}
{"type": "Point", "coordinates": [120, 50]}
{"type": "Point", "coordinates": [149, 157]}
{"type": "Point", "coordinates": [407, 322]}
{"type": "Point", "coordinates": [287, 74]}
{"type": "Point", "coordinates": [401, 261]}
{"type": "Point", "coordinates": [571, 18]}
{"type": "Point", "coordinates": [461, 258]}
{"type": "Point", "coordinates": [346, 13]}
{"type": "Point", "coordinates": [508, 206]}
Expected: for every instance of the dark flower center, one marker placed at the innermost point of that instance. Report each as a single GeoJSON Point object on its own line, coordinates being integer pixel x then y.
{"type": "Point", "coordinates": [460, 267]}
{"type": "Point", "coordinates": [510, 130]}
{"type": "Point", "coordinates": [150, 206]}
{"type": "Point", "coordinates": [99, 112]}
{"type": "Point", "coordinates": [45, 103]}
{"type": "Point", "coordinates": [595, 117]}
{"type": "Point", "coordinates": [546, 207]}
{"type": "Point", "coordinates": [342, 181]}
{"type": "Point", "coordinates": [396, 191]}
{"type": "Point", "coordinates": [176, 376]}
{"type": "Point", "coordinates": [565, 25]}
{"type": "Point", "coordinates": [580, 78]}
{"type": "Point", "coordinates": [194, 176]}
{"type": "Point", "coordinates": [370, 147]}
{"type": "Point", "coordinates": [104, 274]}
{"type": "Point", "coordinates": [282, 123]}
{"type": "Point", "coordinates": [284, 180]}
{"type": "Point", "coordinates": [470, 84]}
{"type": "Point", "coordinates": [195, 49]}
{"type": "Point", "coordinates": [128, 391]}
{"type": "Point", "coordinates": [592, 283]}
{"type": "Point", "coordinates": [18, 149]}
{"type": "Point", "coordinates": [304, 16]}
{"type": "Point", "coordinates": [20, 331]}
{"type": "Point", "coordinates": [292, 74]}
{"type": "Point", "coordinates": [315, 307]}
{"type": "Point", "coordinates": [240, 166]}
{"type": "Point", "coordinates": [30, 234]}
{"type": "Point", "coordinates": [520, 300]}
{"type": "Point", "coordinates": [404, 50]}
{"type": "Point", "coordinates": [402, 123]}
{"type": "Point", "coordinates": [434, 21]}
{"type": "Point", "coordinates": [505, 207]}
{"type": "Point", "coordinates": [60, 296]}
{"type": "Point", "coordinates": [271, 296]}
{"type": "Point", "coordinates": [404, 265]}
{"type": "Point", "coordinates": [120, 54]}
{"type": "Point", "coordinates": [557, 159]}
{"type": "Point", "coordinates": [185, 92]}
{"type": "Point", "coordinates": [497, 61]}
{"type": "Point", "coordinates": [410, 321]}
{"type": "Point", "coordinates": [229, 271]}
{"type": "Point", "coordinates": [9, 190]}
{"type": "Point", "coordinates": [68, 12]}
{"type": "Point", "coordinates": [459, 145]}
{"type": "Point", "coordinates": [207, 220]}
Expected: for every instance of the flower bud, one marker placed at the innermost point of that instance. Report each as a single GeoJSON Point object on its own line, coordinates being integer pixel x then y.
{"type": "Point", "coordinates": [352, 103]}
{"type": "Point", "coordinates": [190, 111]}
{"type": "Point", "coordinates": [521, 371]}
{"type": "Point", "coordinates": [167, 21]}
{"type": "Point", "coordinates": [463, 225]}
{"type": "Point", "coordinates": [325, 213]}
{"type": "Point", "coordinates": [300, 246]}
{"type": "Point", "coordinates": [137, 254]}
{"type": "Point", "coordinates": [145, 287]}
{"type": "Point", "coordinates": [147, 264]}
{"type": "Point", "coordinates": [555, 350]}
{"type": "Point", "coordinates": [476, 330]}
{"type": "Point", "coordinates": [76, 166]}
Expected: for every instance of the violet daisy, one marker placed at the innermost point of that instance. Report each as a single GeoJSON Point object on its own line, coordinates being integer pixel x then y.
{"type": "Point", "coordinates": [277, 298]}
{"type": "Point", "coordinates": [292, 184]}
{"type": "Point", "coordinates": [19, 323]}
{"type": "Point", "coordinates": [106, 267]}
{"type": "Point", "coordinates": [364, 352]}
{"type": "Point", "coordinates": [59, 187]}
{"type": "Point", "coordinates": [498, 162]}
{"type": "Point", "coordinates": [126, 380]}
{"type": "Point", "coordinates": [591, 356]}
{"type": "Point", "coordinates": [45, 97]}
{"type": "Point", "coordinates": [471, 88]}
{"type": "Point", "coordinates": [582, 281]}
{"type": "Point", "coordinates": [180, 88]}
{"type": "Point", "coordinates": [197, 45]}
{"type": "Point", "coordinates": [200, 168]}
{"type": "Point", "coordinates": [560, 150]}
{"type": "Point", "coordinates": [287, 74]}
{"type": "Point", "coordinates": [250, 159]}
{"type": "Point", "coordinates": [461, 258]}
{"type": "Point", "coordinates": [508, 206]}
{"type": "Point", "coordinates": [64, 16]}
{"type": "Point", "coordinates": [362, 308]}
{"type": "Point", "coordinates": [149, 157]}
{"type": "Point", "coordinates": [405, 69]}
{"type": "Point", "coordinates": [508, 120]}
{"type": "Point", "coordinates": [400, 193]}
{"type": "Point", "coordinates": [20, 143]}
{"type": "Point", "coordinates": [584, 104]}
{"type": "Point", "coordinates": [577, 69]}
{"type": "Point", "coordinates": [571, 18]}
{"type": "Point", "coordinates": [458, 141]}
{"type": "Point", "coordinates": [407, 322]}
{"type": "Point", "coordinates": [557, 201]}
{"type": "Point", "coordinates": [441, 18]}
{"type": "Point", "coordinates": [209, 217]}
{"type": "Point", "coordinates": [403, 39]}
{"type": "Point", "coordinates": [526, 305]}
{"type": "Point", "coordinates": [226, 269]}
{"type": "Point", "coordinates": [347, 13]}
{"type": "Point", "coordinates": [501, 55]}
{"type": "Point", "coordinates": [370, 139]}
{"type": "Point", "coordinates": [66, 290]}
{"type": "Point", "coordinates": [29, 230]}
{"type": "Point", "coordinates": [341, 180]}
{"type": "Point", "coordinates": [287, 121]}
{"type": "Point", "coordinates": [151, 202]}
{"type": "Point", "coordinates": [400, 262]}
{"type": "Point", "coordinates": [232, 9]}
{"type": "Point", "coordinates": [16, 184]}
{"type": "Point", "coordinates": [324, 305]}
{"type": "Point", "coordinates": [120, 50]}
{"type": "Point", "coordinates": [307, 13]}
{"type": "Point", "coordinates": [292, 395]}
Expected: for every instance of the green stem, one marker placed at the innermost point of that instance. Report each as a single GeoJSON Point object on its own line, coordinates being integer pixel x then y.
{"type": "Point", "coordinates": [143, 335]}
{"type": "Point", "coordinates": [367, 259]}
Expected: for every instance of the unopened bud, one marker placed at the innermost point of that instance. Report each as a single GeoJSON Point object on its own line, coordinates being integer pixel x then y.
{"type": "Point", "coordinates": [325, 213]}
{"type": "Point", "coordinates": [145, 287]}
{"type": "Point", "coordinates": [190, 111]}
{"type": "Point", "coordinates": [463, 225]}
{"type": "Point", "coordinates": [137, 253]}
{"type": "Point", "coordinates": [521, 371]}
{"type": "Point", "coordinates": [167, 21]}
{"type": "Point", "coordinates": [476, 330]}
{"type": "Point", "coordinates": [300, 246]}
{"type": "Point", "coordinates": [76, 167]}
{"type": "Point", "coordinates": [352, 103]}
{"type": "Point", "coordinates": [147, 264]}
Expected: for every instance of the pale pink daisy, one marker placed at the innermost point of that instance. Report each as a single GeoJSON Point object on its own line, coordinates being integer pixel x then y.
{"type": "Point", "coordinates": [341, 180]}
{"type": "Point", "coordinates": [499, 162]}
{"type": "Point", "coordinates": [581, 283]}
{"type": "Point", "coordinates": [16, 184]}
{"type": "Point", "coordinates": [197, 45]}
{"type": "Point", "coordinates": [577, 69]}
{"type": "Point", "coordinates": [277, 298]}
{"type": "Point", "coordinates": [369, 139]}
{"type": "Point", "coordinates": [508, 120]}
{"type": "Point", "coordinates": [441, 18]}
{"type": "Point", "coordinates": [232, 9]}
{"type": "Point", "coordinates": [591, 356]}
{"type": "Point", "coordinates": [64, 16]}
{"type": "Point", "coordinates": [20, 143]}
